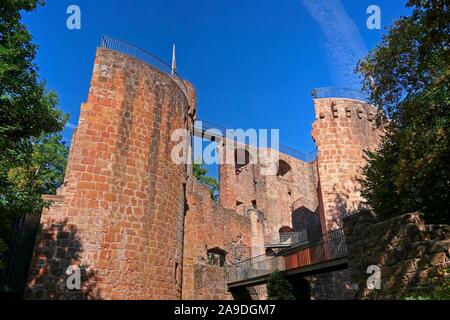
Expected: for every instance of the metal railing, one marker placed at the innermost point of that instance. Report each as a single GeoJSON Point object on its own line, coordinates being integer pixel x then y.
{"type": "Point", "coordinates": [330, 246]}
{"type": "Point", "coordinates": [293, 237]}
{"type": "Point", "coordinates": [145, 56]}
{"type": "Point", "coordinates": [254, 267]}
{"type": "Point", "coordinates": [307, 157]}
{"type": "Point", "coordinates": [331, 92]}
{"type": "Point", "coordinates": [220, 130]}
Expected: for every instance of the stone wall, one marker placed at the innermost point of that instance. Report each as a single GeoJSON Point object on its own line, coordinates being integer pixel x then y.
{"type": "Point", "coordinates": [411, 255]}
{"type": "Point", "coordinates": [343, 129]}
{"type": "Point", "coordinates": [208, 226]}
{"type": "Point", "coordinates": [121, 212]}
{"type": "Point", "coordinates": [288, 200]}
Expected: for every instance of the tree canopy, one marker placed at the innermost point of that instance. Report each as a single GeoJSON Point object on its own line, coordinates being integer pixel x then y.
{"type": "Point", "coordinates": [201, 173]}
{"type": "Point", "coordinates": [407, 77]}
{"type": "Point", "coordinates": [279, 288]}
{"type": "Point", "coordinates": [32, 156]}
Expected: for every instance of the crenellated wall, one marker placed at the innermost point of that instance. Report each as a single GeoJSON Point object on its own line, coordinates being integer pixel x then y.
{"type": "Point", "coordinates": [343, 129]}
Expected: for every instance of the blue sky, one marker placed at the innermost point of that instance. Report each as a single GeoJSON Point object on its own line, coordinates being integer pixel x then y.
{"type": "Point", "coordinates": [253, 63]}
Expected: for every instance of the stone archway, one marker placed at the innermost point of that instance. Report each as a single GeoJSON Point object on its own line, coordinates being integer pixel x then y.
{"type": "Point", "coordinates": [283, 168]}
{"type": "Point", "coordinates": [304, 218]}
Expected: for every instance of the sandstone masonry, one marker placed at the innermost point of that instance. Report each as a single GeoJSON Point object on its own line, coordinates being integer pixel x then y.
{"type": "Point", "coordinates": [411, 255]}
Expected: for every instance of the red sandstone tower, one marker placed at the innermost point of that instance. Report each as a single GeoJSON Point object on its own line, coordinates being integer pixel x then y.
{"type": "Point", "coordinates": [120, 213]}
{"type": "Point", "coordinates": [343, 129]}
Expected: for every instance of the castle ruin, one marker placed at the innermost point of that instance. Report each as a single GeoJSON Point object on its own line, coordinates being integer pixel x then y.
{"type": "Point", "coordinates": [139, 226]}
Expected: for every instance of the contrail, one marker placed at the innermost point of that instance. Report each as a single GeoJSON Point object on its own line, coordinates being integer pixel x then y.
{"type": "Point", "coordinates": [344, 43]}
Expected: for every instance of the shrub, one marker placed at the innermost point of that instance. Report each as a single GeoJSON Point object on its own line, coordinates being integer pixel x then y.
{"type": "Point", "coordinates": [279, 288]}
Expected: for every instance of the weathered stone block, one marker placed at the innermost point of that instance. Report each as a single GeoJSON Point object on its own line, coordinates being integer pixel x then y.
{"type": "Point", "coordinates": [412, 258]}
{"type": "Point", "coordinates": [439, 246]}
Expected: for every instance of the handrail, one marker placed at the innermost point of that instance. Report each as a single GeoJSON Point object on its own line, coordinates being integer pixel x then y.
{"type": "Point", "coordinates": [330, 246]}
{"type": "Point", "coordinates": [292, 237]}
{"type": "Point", "coordinates": [254, 268]}
{"type": "Point", "coordinates": [145, 56]}
{"type": "Point", "coordinates": [331, 92]}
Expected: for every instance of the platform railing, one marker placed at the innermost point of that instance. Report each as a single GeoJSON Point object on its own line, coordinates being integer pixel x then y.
{"type": "Point", "coordinates": [289, 238]}
{"type": "Point", "coordinates": [293, 237]}
{"type": "Point", "coordinates": [330, 246]}
{"type": "Point", "coordinates": [331, 92]}
{"type": "Point", "coordinates": [254, 268]}
{"type": "Point", "coordinates": [145, 56]}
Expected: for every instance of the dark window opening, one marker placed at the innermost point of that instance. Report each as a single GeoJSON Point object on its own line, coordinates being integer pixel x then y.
{"type": "Point", "coordinates": [216, 257]}
{"type": "Point", "coordinates": [283, 168]}
{"type": "Point", "coordinates": [241, 159]}
{"type": "Point", "coordinates": [254, 204]}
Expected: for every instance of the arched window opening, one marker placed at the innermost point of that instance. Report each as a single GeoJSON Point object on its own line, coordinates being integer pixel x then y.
{"type": "Point", "coordinates": [283, 168]}
{"type": "Point", "coordinates": [306, 221]}
{"type": "Point", "coordinates": [285, 229]}
{"type": "Point", "coordinates": [241, 159]}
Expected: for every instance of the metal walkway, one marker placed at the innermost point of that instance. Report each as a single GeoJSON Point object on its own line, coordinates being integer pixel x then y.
{"type": "Point", "coordinates": [325, 254]}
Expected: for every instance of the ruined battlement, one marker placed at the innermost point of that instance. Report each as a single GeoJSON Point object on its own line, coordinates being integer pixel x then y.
{"type": "Point", "coordinates": [344, 108]}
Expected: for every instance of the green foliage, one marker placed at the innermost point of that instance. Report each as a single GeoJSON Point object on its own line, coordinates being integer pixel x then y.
{"type": "Point", "coordinates": [27, 109]}
{"type": "Point", "coordinates": [200, 172]}
{"type": "Point", "coordinates": [31, 153]}
{"type": "Point", "coordinates": [279, 288]}
{"type": "Point", "coordinates": [408, 75]}
{"type": "Point", "coordinates": [49, 161]}
{"type": "Point", "coordinates": [411, 57]}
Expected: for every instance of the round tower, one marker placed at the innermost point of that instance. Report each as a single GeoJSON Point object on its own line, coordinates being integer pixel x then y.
{"type": "Point", "coordinates": [123, 198]}
{"type": "Point", "coordinates": [343, 129]}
